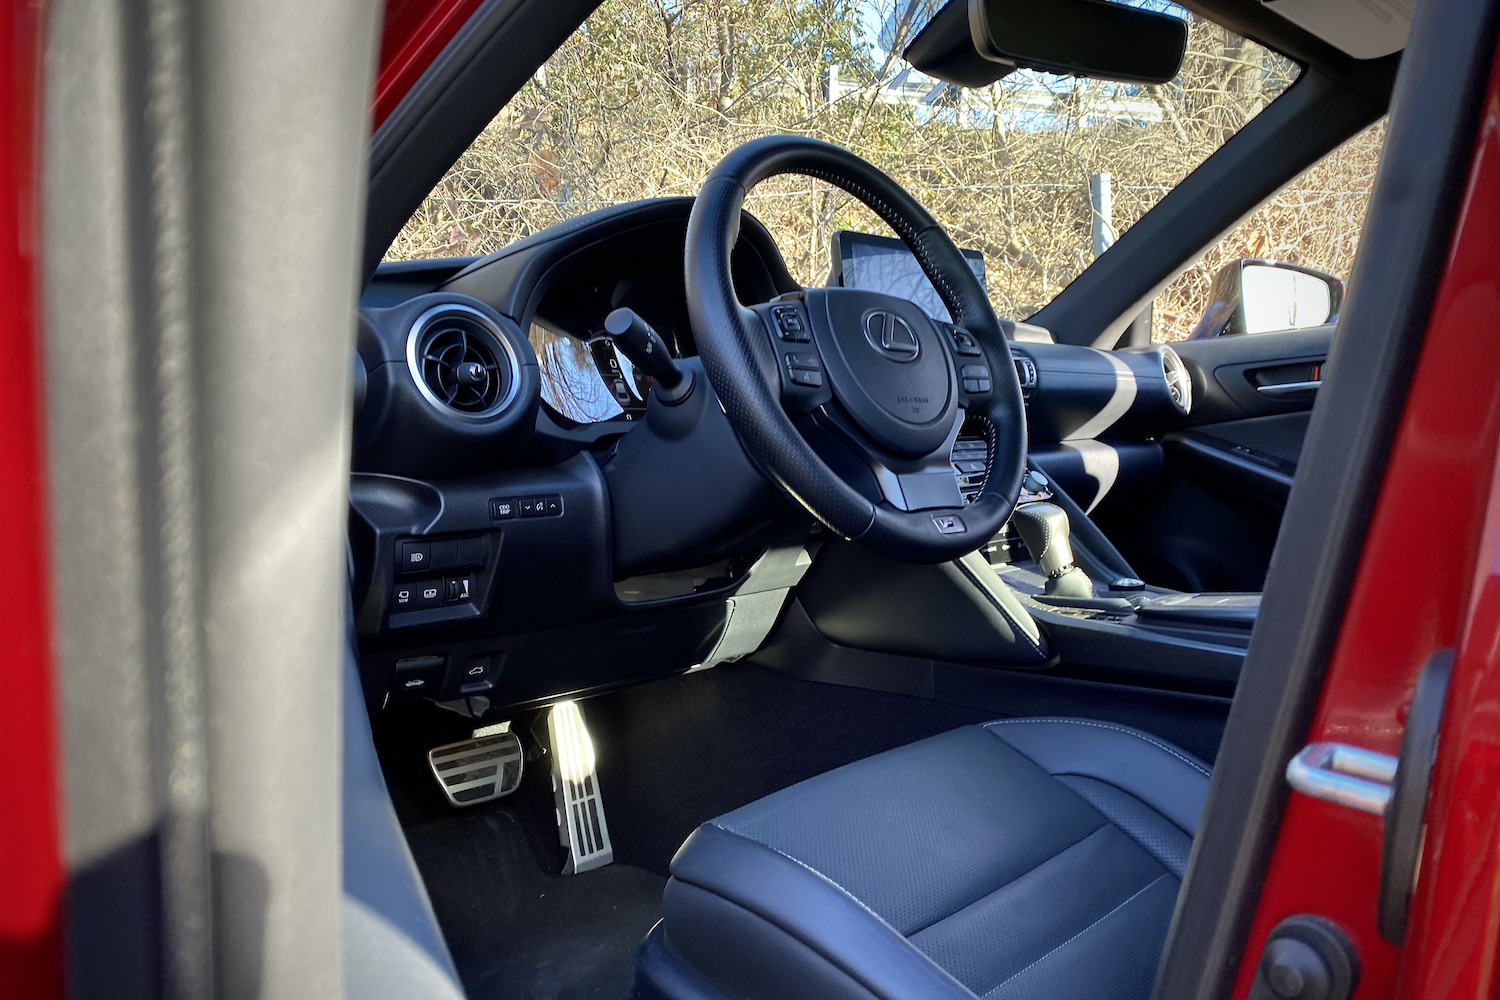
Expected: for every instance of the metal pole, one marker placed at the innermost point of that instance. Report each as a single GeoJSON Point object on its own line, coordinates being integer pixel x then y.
{"type": "Point", "coordinates": [1101, 206]}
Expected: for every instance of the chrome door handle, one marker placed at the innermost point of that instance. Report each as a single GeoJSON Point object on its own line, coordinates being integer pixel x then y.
{"type": "Point", "coordinates": [1344, 775]}
{"type": "Point", "coordinates": [1288, 388]}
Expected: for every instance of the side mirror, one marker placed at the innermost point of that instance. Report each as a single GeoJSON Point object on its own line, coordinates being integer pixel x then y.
{"type": "Point", "coordinates": [1265, 296]}
{"type": "Point", "coordinates": [973, 43]}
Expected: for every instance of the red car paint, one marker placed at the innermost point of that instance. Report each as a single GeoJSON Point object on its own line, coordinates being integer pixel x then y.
{"type": "Point", "coordinates": [415, 32]}
{"type": "Point", "coordinates": [31, 877]}
{"type": "Point", "coordinates": [1327, 858]}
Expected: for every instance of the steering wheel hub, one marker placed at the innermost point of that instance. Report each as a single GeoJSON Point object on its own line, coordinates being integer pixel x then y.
{"type": "Point", "coordinates": [887, 367]}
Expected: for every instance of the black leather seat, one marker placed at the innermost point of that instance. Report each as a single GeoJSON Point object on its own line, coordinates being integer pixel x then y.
{"type": "Point", "coordinates": [1026, 858]}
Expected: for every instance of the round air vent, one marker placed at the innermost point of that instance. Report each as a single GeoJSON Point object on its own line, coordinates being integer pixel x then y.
{"type": "Point", "coordinates": [461, 362]}
{"type": "Point", "coordinates": [1179, 382]}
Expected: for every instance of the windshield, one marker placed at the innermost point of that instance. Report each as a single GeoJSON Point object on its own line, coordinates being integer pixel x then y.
{"type": "Point", "coordinates": [1037, 173]}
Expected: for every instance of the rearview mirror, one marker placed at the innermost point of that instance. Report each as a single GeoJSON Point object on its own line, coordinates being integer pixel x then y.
{"type": "Point", "coordinates": [1265, 296]}
{"type": "Point", "coordinates": [973, 43]}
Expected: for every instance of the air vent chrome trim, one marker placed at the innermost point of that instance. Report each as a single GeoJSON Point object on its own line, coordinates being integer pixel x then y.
{"type": "Point", "coordinates": [503, 350]}
{"type": "Point", "coordinates": [1179, 380]}
{"type": "Point", "coordinates": [1026, 372]}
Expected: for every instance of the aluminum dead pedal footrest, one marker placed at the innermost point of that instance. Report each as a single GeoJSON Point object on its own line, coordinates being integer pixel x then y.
{"type": "Point", "coordinates": [575, 787]}
{"type": "Point", "coordinates": [478, 770]}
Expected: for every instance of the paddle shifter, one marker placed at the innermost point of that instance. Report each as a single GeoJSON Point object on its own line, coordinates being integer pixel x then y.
{"type": "Point", "coordinates": [1044, 529]}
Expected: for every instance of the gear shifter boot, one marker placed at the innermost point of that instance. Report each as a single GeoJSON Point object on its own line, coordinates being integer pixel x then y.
{"type": "Point", "coordinates": [1044, 529]}
{"type": "Point", "coordinates": [1072, 582]}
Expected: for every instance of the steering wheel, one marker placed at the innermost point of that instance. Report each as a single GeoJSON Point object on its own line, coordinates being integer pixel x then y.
{"type": "Point", "coordinates": [851, 400]}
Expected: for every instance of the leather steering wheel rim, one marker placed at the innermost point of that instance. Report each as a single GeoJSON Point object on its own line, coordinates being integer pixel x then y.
{"type": "Point", "coordinates": [741, 362]}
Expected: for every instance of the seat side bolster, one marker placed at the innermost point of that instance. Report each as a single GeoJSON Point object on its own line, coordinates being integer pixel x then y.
{"type": "Point", "coordinates": [806, 906]}
{"type": "Point", "coordinates": [1165, 778]}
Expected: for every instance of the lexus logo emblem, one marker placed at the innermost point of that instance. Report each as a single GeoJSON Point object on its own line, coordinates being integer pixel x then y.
{"type": "Point", "coordinates": [892, 336]}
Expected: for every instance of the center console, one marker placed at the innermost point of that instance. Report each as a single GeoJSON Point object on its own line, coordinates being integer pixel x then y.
{"type": "Point", "coordinates": [1115, 626]}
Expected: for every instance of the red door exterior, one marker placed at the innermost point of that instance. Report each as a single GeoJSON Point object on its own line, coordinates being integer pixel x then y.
{"type": "Point", "coordinates": [1327, 857]}
{"type": "Point", "coordinates": [31, 877]}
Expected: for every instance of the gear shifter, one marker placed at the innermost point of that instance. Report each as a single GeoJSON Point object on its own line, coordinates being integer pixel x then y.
{"type": "Point", "coordinates": [1044, 529]}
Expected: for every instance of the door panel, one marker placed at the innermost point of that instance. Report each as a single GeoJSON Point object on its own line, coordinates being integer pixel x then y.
{"type": "Point", "coordinates": [1255, 375]}
{"type": "Point", "coordinates": [1228, 468]}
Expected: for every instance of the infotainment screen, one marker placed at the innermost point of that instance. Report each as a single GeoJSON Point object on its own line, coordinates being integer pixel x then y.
{"type": "Point", "coordinates": [882, 264]}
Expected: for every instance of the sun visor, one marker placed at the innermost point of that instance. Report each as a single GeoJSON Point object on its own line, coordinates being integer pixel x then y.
{"type": "Point", "coordinates": [1364, 29]}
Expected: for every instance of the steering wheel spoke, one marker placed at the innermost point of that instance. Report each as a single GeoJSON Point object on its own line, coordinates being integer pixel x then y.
{"type": "Point", "coordinates": [927, 482]}
{"type": "Point", "coordinates": [804, 378]}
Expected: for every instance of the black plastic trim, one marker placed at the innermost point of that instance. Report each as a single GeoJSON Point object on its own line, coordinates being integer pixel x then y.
{"type": "Point", "coordinates": [1405, 826]}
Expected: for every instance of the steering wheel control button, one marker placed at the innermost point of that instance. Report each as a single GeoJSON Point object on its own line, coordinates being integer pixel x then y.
{"type": "Point", "coordinates": [552, 505]}
{"type": "Point", "coordinates": [414, 557]}
{"type": "Point", "coordinates": [964, 343]}
{"type": "Point", "coordinates": [976, 379]}
{"type": "Point", "coordinates": [790, 326]}
{"type": "Point", "coordinates": [416, 678]}
{"type": "Point", "coordinates": [502, 510]}
{"type": "Point", "coordinates": [949, 524]}
{"type": "Point", "coordinates": [803, 361]}
{"type": "Point", "coordinates": [892, 336]}
{"type": "Point", "coordinates": [810, 377]}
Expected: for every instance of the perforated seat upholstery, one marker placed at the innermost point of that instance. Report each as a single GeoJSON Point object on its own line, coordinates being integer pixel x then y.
{"type": "Point", "coordinates": [1025, 858]}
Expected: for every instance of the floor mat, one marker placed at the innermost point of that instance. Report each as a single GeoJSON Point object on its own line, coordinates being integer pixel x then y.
{"type": "Point", "coordinates": [676, 752]}
{"type": "Point", "coordinates": [516, 931]}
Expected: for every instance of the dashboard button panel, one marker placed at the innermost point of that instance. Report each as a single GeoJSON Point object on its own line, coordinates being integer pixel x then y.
{"type": "Point", "coordinates": [505, 508]}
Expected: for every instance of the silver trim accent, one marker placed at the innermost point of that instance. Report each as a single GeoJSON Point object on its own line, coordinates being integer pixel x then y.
{"type": "Point", "coordinates": [414, 366]}
{"type": "Point", "coordinates": [466, 766]}
{"type": "Point", "coordinates": [575, 788]}
{"type": "Point", "coordinates": [1344, 775]}
{"type": "Point", "coordinates": [1288, 388]}
{"type": "Point", "coordinates": [1177, 375]}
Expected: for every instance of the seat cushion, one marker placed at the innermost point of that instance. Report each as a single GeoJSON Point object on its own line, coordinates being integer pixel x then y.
{"type": "Point", "coordinates": [1022, 858]}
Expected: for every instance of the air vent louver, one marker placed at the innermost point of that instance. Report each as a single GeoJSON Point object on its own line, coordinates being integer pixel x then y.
{"type": "Point", "coordinates": [460, 361]}
{"type": "Point", "coordinates": [971, 453]}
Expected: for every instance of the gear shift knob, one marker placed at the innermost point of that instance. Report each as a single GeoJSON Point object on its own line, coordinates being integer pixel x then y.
{"type": "Point", "coordinates": [1044, 529]}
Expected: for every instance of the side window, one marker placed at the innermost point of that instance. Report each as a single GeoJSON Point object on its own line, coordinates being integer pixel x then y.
{"type": "Point", "coordinates": [1284, 267]}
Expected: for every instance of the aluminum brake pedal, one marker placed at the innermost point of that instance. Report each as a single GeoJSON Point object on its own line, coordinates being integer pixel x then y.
{"type": "Point", "coordinates": [478, 770]}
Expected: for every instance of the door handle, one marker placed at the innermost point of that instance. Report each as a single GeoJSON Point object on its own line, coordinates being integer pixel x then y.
{"type": "Point", "coordinates": [1289, 388]}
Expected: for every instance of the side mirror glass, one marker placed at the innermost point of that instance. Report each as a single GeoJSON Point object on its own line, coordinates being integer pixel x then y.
{"type": "Point", "coordinates": [1266, 296]}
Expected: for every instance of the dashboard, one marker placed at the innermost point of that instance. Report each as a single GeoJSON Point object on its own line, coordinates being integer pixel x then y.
{"type": "Point", "coordinates": [526, 525]}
